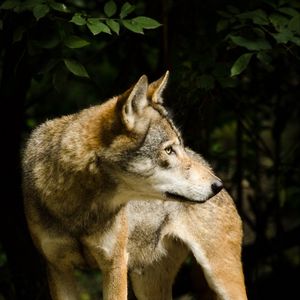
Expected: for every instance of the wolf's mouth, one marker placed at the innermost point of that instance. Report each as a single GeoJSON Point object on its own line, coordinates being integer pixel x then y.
{"type": "Point", "coordinates": [174, 196]}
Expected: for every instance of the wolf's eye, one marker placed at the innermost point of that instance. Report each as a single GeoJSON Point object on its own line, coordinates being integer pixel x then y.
{"type": "Point", "coordinates": [169, 150]}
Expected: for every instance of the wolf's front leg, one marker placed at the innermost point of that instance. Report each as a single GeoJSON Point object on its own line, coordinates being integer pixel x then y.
{"type": "Point", "coordinates": [62, 283]}
{"type": "Point", "coordinates": [223, 272]}
{"type": "Point", "coordinates": [108, 249]}
{"type": "Point", "coordinates": [213, 232]}
{"type": "Point", "coordinates": [61, 253]}
{"type": "Point", "coordinates": [114, 270]}
{"type": "Point", "coordinates": [115, 279]}
{"type": "Point", "coordinates": [221, 263]}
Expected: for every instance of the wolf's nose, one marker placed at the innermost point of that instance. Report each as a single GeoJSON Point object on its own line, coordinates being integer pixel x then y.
{"type": "Point", "coordinates": [217, 186]}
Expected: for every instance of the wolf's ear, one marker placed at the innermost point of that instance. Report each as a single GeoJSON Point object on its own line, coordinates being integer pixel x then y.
{"type": "Point", "coordinates": [135, 103]}
{"type": "Point", "coordinates": [157, 87]}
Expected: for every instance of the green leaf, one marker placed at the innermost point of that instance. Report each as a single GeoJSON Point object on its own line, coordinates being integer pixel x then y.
{"type": "Point", "coordinates": [264, 57]}
{"type": "Point", "coordinates": [296, 40]}
{"type": "Point", "coordinates": [240, 64]}
{"type": "Point", "coordinates": [279, 21]}
{"type": "Point", "coordinates": [258, 16]}
{"type": "Point", "coordinates": [145, 22]}
{"type": "Point", "coordinates": [28, 5]}
{"type": "Point", "coordinates": [259, 33]}
{"type": "Point", "coordinates": [283, 37]}
{"type": "Point", "coordinates": [110, 8]}
{"type": "Point", "coordinates": [96, 26]}
{"type": "Point", "coordinates": [294, 24]}
{"type": "Point", "coordinates": [74, 42]}
{"type": "Point", "coordinates": [9, 4]}
{"type": "Point", "coordinates": [126, 9]}
{"type": "Point", "coordinates": [272, 3]}
{"type": "Point", "coordinates": [133, 26]}
{"type": "Point", "coordinates": [288, 11]}
{"type": "Point", "coordinates": [78, 19]}
{"type": "Point", "coordinates": [115, 26]}
{"type": "Point", "coordinates": [18, 33]}
{"type": "Point", "coordinates": [59, 6]}
{"type": "Point", "coordinates": [76, 68]}
{"type": "Point", "coordinates": [40, 11]}
{"type": "Point", "coordinates": [232, 9]}
{"type": "Point", "coordinates": [222, 25]}
{"type": "Point", "coordinates": [257, 44]}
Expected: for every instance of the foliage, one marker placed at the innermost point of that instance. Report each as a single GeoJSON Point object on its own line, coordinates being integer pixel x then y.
{"type": "Point", "coordinates": [261, 31]}
{"type": "Point", "coordinates": [66, 28]}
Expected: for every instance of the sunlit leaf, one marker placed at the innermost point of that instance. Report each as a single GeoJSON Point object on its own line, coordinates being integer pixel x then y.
{"type": "Point", "coordinates": [110, 8]}
{"type": "Point", "coordinates": [146, 22]}
{"type": "Point", "coordinates": [133, 26]}
{"type": "Point", "coordinates": [96, 26]}
{"type": "Point", "coordinates": [76, 68]}
{"type": "Point", "coordinates": [78, 20]}
{"type": "Point", "coordinates": [114, 25]}
{"type": "Point", "coordinates": [74, 41]}
{"type": "Point", "coordinates": [59, 6]}
{"type": "Point", "coordinates": [40, 11]}
{"type": "Point", "coordinates": [240, 64]}
{"type": "Point", "coordinates": [126, 9]}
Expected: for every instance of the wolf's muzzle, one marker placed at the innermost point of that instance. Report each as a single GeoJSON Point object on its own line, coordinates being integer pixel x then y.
{"type": "Point", "coordinates": [217, 186]}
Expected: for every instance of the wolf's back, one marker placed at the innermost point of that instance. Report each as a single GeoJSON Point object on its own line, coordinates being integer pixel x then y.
{"type": "Point", "coordinates": [40, 159]}
{"type": "Point", "coordinates": [44, 141]}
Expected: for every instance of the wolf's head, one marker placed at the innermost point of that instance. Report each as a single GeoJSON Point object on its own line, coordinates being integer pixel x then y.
{"type": "Point", "coordinates": [147, 151]}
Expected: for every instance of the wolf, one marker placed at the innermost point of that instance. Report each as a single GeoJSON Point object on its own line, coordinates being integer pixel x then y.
{"type": "Point", "coordinates": [80, 171]}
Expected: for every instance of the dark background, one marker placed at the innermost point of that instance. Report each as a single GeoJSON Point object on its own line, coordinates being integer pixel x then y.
{"type": "Point", "coordinates": [234, 92]}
